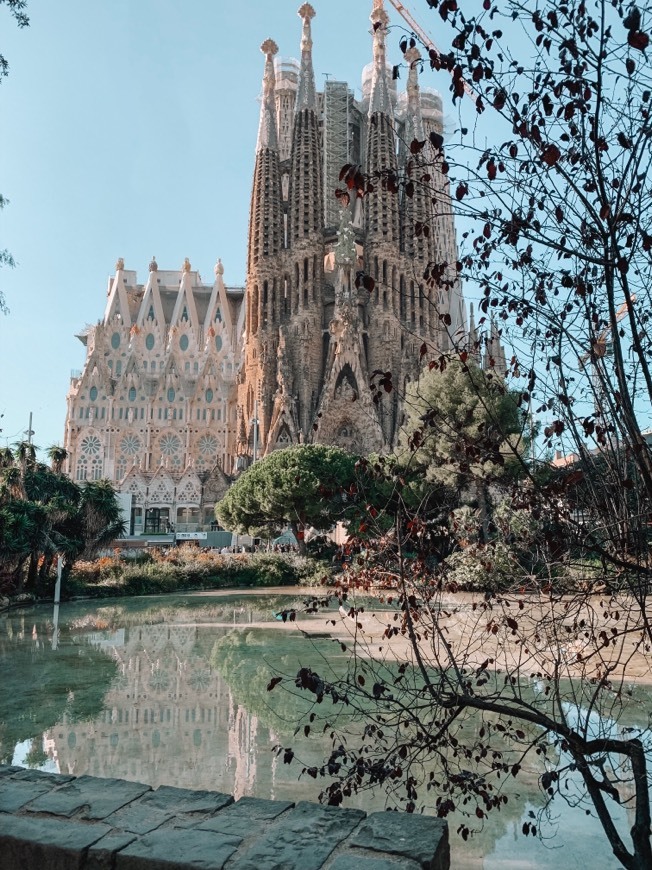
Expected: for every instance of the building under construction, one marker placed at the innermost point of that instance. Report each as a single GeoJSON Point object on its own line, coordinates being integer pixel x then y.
{"type": "Point", "coordinates": [315, 332]}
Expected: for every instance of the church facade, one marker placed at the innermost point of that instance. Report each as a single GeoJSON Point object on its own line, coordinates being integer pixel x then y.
{"type": "Point", "coordinates": [335, 290]}
{"type": "Point", "coordinates": [186, 383]}
{"type": "Point", "coordinates": [153, 409]}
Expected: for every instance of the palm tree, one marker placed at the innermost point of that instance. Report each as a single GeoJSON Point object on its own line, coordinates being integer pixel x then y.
{"type": "Point", "coordinates": [57, 456]}
{"type": "Point", "coordinates": [12, 485]}
{"type": "Point", "coordinates": [101, 517]}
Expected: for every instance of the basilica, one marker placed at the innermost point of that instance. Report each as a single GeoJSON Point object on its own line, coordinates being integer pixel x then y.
{"type": "Point", "coordinates": [186, 382]}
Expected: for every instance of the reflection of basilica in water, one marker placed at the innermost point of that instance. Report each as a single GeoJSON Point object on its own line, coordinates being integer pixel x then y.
{"type": "Point", "coordinates": [170, 718]}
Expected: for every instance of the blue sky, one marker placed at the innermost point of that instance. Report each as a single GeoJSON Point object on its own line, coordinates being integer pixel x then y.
{"type": "Point", "coordinates": [129, 131]}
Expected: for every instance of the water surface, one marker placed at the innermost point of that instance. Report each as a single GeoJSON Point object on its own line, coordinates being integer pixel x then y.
{"type": "Point", "coordinates": [172, 691]}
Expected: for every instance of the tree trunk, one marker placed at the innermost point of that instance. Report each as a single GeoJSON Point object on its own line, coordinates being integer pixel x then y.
{"type": "Point", "coordinates": [298, 530]}
{"type": "Point", "coordinates": [32, 572]}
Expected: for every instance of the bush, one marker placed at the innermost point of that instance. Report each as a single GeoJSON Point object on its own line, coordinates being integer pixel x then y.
{"type": "Point", "coordinates": [186, 568]}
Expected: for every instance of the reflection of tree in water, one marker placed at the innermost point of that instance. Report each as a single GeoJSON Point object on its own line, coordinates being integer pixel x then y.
{"type": "Point", "coordinates": [249, 659]}
{"type": "Point", "coordinates": [177, 611]}
{"type": "Point", "coordinates": [214, 725]}
{"type": "Point", "coordinates": [41, 686]}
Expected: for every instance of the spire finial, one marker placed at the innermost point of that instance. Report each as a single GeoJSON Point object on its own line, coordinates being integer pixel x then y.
{"type": "Point", "coordinates": [219, 268]}
{"type": "Point", "coordinates": [306, 95]}
{"type": "Point", "coordinates": [380, 100]}
{"type": "Point", "coordinates": [186, 265]}
{"type": "Point", "coordinates": [153, 266]}
{"type": "Point", "coordinates": [120, 264]}
{"type": "Point", "coordinates": [267, 130]}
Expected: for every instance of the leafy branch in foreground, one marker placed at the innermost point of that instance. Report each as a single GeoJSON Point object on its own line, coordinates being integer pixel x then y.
{"type": "Point", "coordinates": [533, 674]}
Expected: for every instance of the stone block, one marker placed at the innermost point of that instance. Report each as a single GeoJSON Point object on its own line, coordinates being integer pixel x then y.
{"type": "Point", "coordinates": [8, 769]}
{"type": "Point", "coordinates": [172, 848]}
{"type": "Point", "coordinates": [89, 797]}
{"type": "Point", "coordinates": [300, 839]}
{"type": "Point", "coordinates": [422, 839]}
{"type": "Point", "coordinates": [241, 818]}
{"type": "Point", "coordinates": [15, 794]}
{"type": "Point", "coordinates": [157, 807]}
{"type": "Point", "coordinates": [101, 855]}
{"type": "Point", "coordinates": [49, 844]}
{"type": "Point", "coordinates": [353, 861]}
{"type": "Point", "coordinates": [29, 775]}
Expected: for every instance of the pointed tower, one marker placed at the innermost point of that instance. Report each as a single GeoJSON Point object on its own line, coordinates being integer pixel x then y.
{"type": "Point", "coordinates": [417, 208]}
{"type": "Point", "coordinates": [382, 222]}
{"type": "Point", "coordinates": [494, 359]}
{"type": "Point", "coordinates": [419, 225]}
{"type": "Point", "coordinates": [473, 344]}
{"type": "Point", "coordinates": [382, 248]}
{"type": "Point", "coordinates": [305, 236]}
{"type": "Point", "coordinates": [264, 266]}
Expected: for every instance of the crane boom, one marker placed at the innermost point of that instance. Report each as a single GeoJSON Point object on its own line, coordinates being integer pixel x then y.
{"type": "Point", "coordinates": [414, 25]}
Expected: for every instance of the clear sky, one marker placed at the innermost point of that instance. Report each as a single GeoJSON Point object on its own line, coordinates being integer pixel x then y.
{"type": "Point", "coordinates": [128, 130]}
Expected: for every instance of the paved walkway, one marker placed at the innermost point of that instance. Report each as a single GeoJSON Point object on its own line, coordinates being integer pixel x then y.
{"type": "Point", "coordinates": [56, 822]}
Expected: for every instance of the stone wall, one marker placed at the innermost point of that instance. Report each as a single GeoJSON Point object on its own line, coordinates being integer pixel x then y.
{"type": "Point", "coordinates": [57, 822]}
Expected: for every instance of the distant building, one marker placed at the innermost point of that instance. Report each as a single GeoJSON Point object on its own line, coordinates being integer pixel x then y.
{"type": "Point", "coordinates": [154, 408]}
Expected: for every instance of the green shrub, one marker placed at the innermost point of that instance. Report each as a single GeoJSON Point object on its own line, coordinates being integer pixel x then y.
{"type": "Point", "coordinates": [187, 568]}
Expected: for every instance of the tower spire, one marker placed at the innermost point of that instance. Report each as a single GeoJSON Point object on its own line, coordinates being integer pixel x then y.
{"type": "Point", "coordinates": [414, 117]}
{"type": "Point", "coordinates": [380, 100]}
{"type": "Point", "coordinates": [417, 209]}
{"type": "Point", "coordinates": [267, 135]}
{"type": "Point", "coordinates": [306, 94]}
{"type": "Point", "coordinates": [305, 236]}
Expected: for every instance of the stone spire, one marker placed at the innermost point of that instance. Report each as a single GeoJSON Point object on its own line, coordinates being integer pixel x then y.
{"type": "Point", "coordinates": [306, 94]}
{"type": "Point", "coordinates": [414, 121]}
{"type": "Point", "coordinates": [264, 265]}
{"type": "Point", "coordinates": [494, 354]}
{"type": "Point", "coordinates": [265, 218]}
{"type": "Point", "coordinates": [417, 208]}
{"type": "Point", "coordinates": [305, 233]}
{"type": "Point", "coordinates": [380, 100]}
{"type": "Point", "coordinates": [267, 135]}
{"type": "Point", "coordinates": [306, 187]}
{"type": "Point", "coordinates": [382, 206]}
{"type": "Point", "coordinates": [473, 344]}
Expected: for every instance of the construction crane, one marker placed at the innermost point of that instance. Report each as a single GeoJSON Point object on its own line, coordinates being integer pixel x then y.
{"type": "Point", "coordinates": [416, 28]}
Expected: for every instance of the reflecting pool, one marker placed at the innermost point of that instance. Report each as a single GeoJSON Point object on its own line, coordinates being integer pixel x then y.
{"type": "Point", "coordinates": [172, 691]}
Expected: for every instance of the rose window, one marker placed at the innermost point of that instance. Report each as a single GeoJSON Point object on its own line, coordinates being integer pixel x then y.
{"type": "Point", "coordinates": [170, 445]}
{"type": "Point", "coordinates": [91, 445]}
{"type": "Point", "coordinates": [208, 445]}
{"type": "Point", "coordinates": [200, 679]}
{"type": "Point", "coordinates": [159, 681]}
{"type": "Point", "coordinates": [130, 445]}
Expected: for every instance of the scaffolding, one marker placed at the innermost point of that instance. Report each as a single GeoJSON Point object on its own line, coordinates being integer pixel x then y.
{"type": "Point", "coordinates": [337, 100]}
